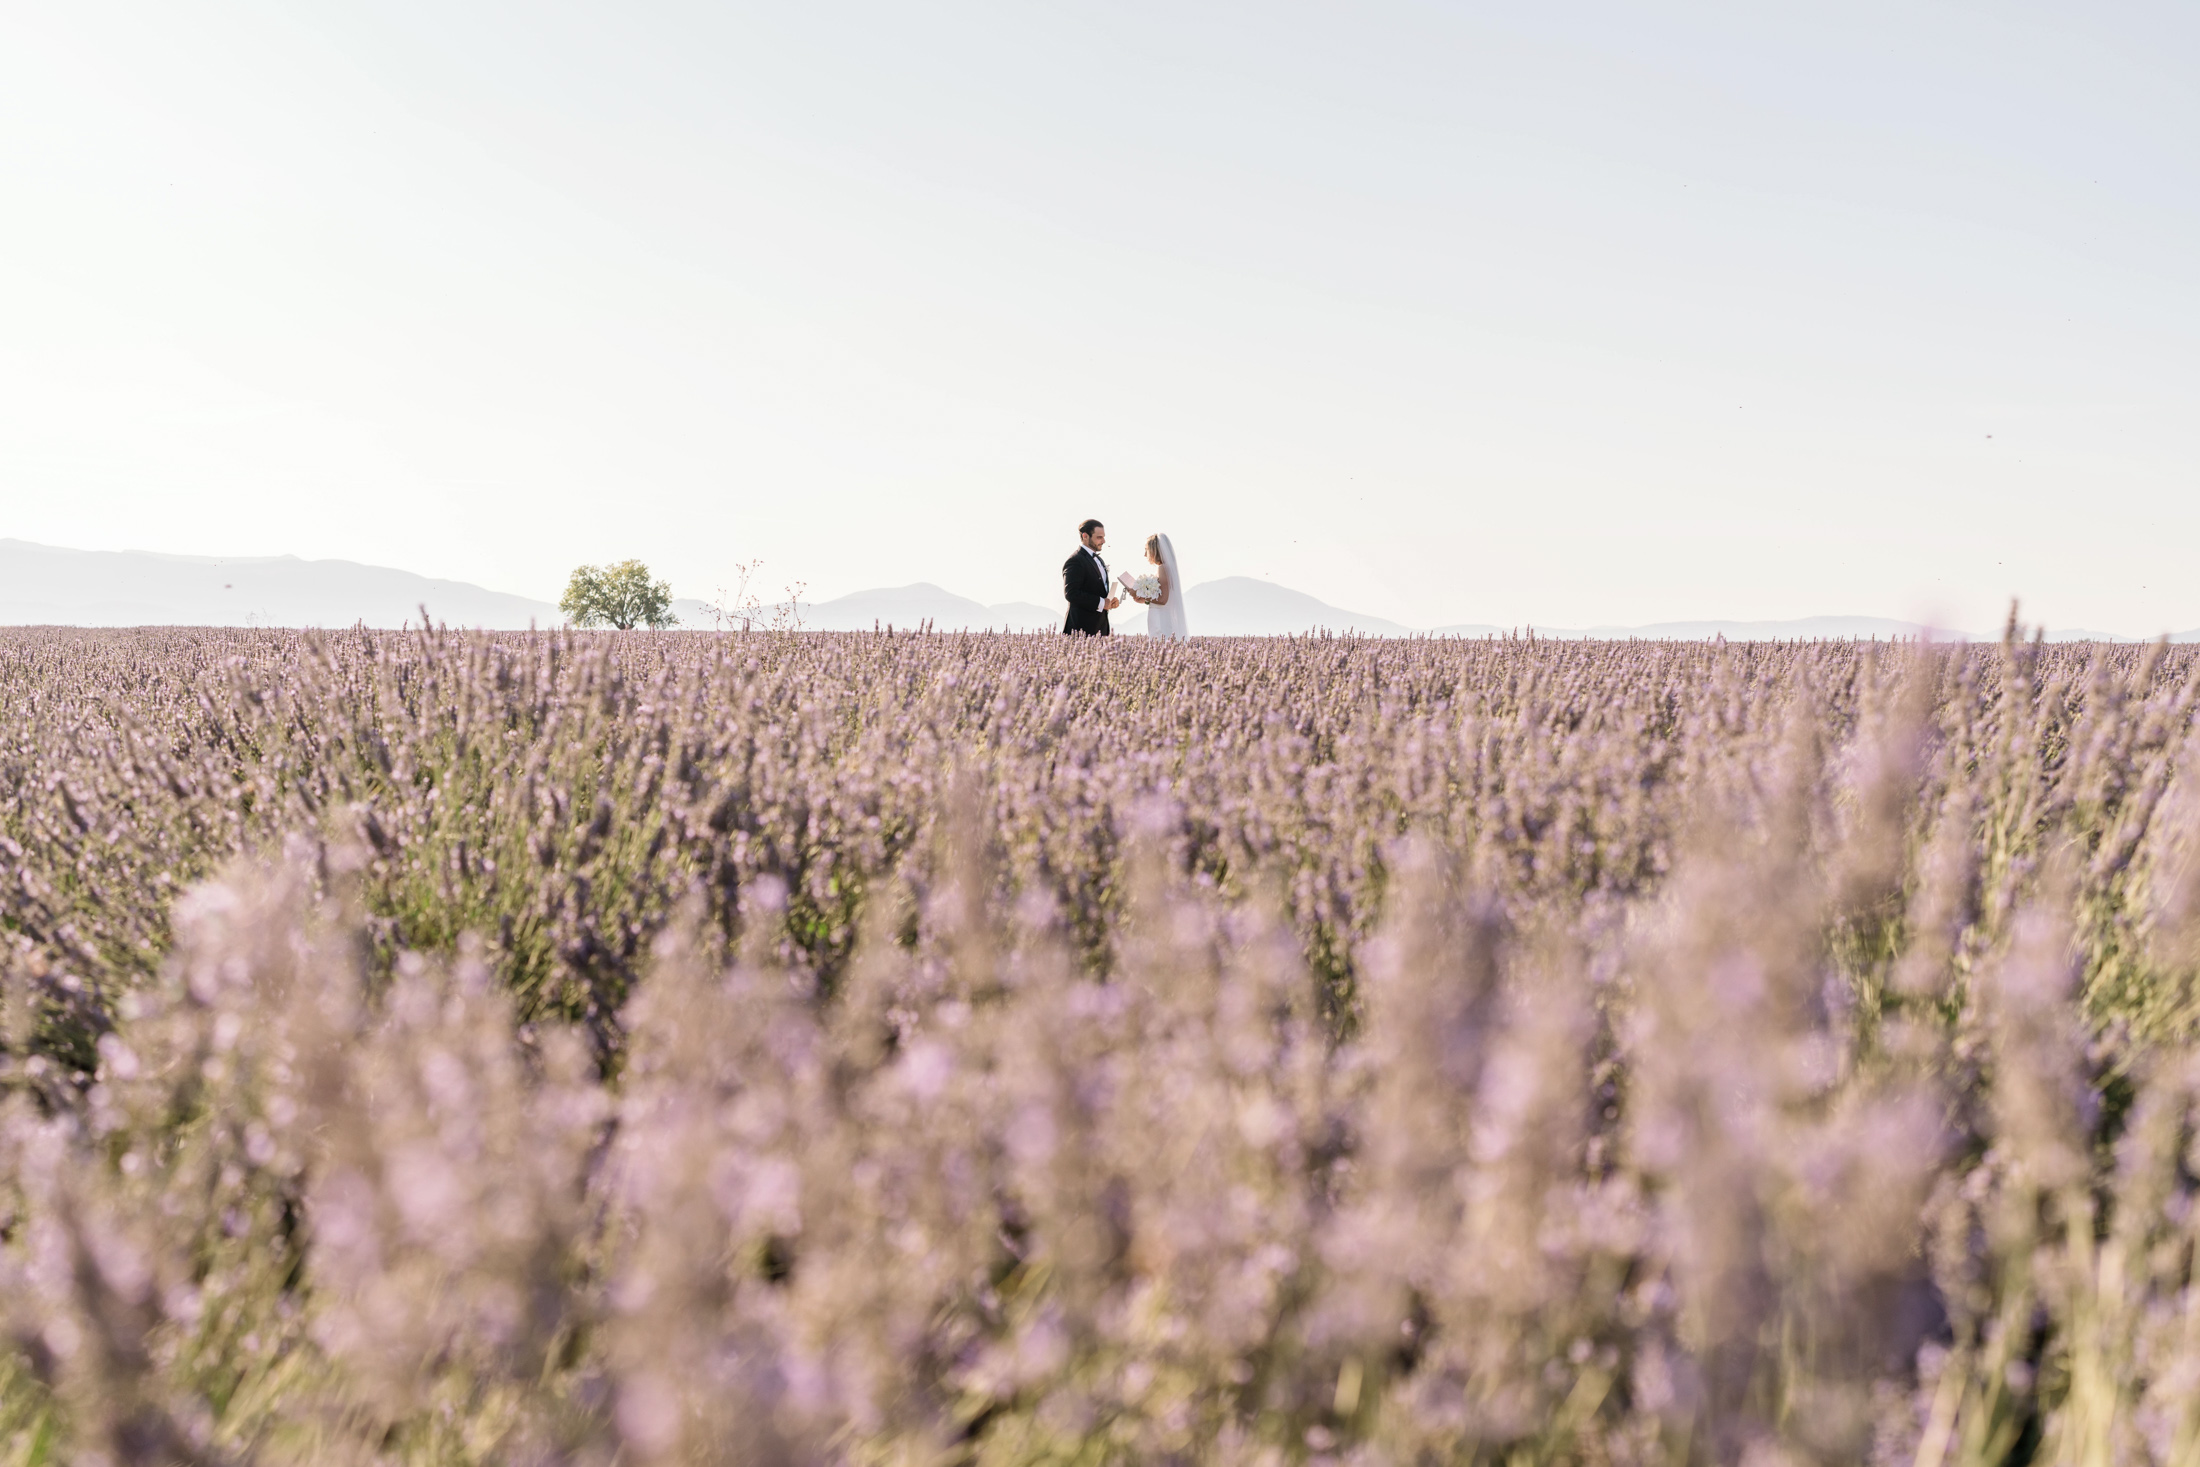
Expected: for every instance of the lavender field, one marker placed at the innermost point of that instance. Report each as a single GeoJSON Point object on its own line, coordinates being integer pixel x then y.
{"type": "Point", "coordinates": [910, 1049]}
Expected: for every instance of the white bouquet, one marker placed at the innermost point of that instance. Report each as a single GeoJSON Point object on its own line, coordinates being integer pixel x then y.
{"type": "Point", "coordinates": [1147, 586]}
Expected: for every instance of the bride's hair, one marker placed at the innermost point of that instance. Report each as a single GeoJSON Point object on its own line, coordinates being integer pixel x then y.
{"type": "Point", "coordinates": [1153, 549]}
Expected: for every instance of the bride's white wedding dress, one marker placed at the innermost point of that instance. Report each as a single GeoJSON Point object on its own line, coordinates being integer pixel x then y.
{"type": "Point", "coordinates": [1167, 619]}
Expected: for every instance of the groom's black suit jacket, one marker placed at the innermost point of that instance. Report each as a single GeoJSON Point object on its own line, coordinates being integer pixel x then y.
{"type": "Point", "coordinates": [1083, 587]}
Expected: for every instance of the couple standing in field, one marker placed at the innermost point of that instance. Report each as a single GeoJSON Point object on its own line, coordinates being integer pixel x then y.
{"type": "Point", "coordinates": [1086, 588]}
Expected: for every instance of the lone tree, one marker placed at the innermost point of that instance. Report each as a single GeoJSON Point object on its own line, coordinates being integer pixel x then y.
{"type": "Point", "coordinates": [621, 596]}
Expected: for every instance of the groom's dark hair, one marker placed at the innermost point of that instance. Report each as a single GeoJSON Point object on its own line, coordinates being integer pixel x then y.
{"type": "Point", "coordinates": [1088, 527]}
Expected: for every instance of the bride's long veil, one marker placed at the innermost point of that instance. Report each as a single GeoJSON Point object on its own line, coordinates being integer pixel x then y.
{"type": "Point", "coordinates": [1169, 620]}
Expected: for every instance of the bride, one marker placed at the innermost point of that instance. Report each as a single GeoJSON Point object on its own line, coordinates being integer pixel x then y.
{"type": "Point", "coordinates": [1166, 618]}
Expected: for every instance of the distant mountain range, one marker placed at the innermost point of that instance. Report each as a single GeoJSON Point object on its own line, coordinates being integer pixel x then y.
{"type": "Point", "coordinates": [1802, 628]}
{"type": "Point", "coordinates": [1233, 607]}
{"type": "Point", "coordinates": [900, 606]}
{"type": "Point", "coordinates": [43, 585]}
{"type": "Point", "coordinates": [1239, 606]}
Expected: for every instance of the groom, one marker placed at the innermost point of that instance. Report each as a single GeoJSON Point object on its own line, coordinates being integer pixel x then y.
{"type": "Point", "coordinates": [1085, 584]}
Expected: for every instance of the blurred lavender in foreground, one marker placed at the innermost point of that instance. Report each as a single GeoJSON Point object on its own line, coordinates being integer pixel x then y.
{"type": "Point", "coordinates": [889, 1049]}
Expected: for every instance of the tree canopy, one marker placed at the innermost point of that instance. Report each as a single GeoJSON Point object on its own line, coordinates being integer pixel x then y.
{"type": "Point", "coordinates": [620, 595]}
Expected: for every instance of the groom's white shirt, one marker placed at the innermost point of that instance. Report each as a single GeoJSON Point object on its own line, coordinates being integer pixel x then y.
{"type": "Point", "coordinates": [1102, 603]}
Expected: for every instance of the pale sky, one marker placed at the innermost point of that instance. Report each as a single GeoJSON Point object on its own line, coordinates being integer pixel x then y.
{"type": "Point", "coordinates": [1535, 312]}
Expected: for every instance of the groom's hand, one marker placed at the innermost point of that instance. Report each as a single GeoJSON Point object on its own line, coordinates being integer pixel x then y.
{"type": "Point", "coordinates": [1113, 602]}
